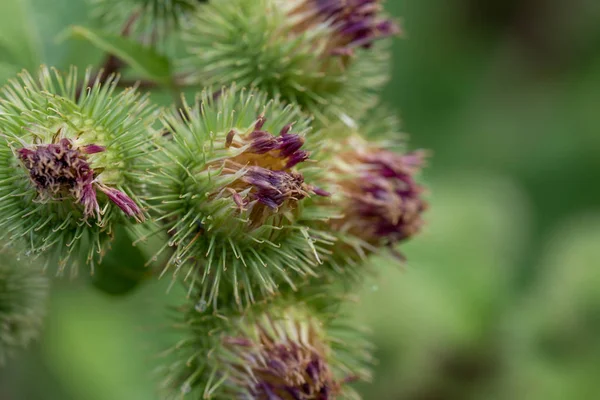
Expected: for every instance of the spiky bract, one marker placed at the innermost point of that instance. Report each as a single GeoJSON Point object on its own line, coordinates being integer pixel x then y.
{"type": "Point", "coordinates": [281, 350]}
{"type": "Point", "coordinates": [149, 21]}
{"type": "Point", "coordinates": [23, 292]}
{"type": "Point", "coordinates": [72, 156]}
{"type": "Point", "coordinates": [230, 186]}
{"type": "Point", "coordinates": [271, 45]}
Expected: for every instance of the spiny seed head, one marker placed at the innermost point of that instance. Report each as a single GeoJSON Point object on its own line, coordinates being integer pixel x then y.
{"type": "Point", "coordinates": [23, 294]}
{"type": "Point", "coordinates": [72, 160]}
{"type": "Point", "coordinates": [323, 56]}
{"type": "Point", "coordinates": [151, 22]}
{"type": "Point", "coordinates": [230, 186]}
{"type": "Point", "coordinates": [279, 351]}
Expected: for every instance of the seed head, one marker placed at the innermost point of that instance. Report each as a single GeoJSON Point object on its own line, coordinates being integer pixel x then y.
{"type": "Point", "coordinates": [321, 55]}
{"type": "Point", "coordinates": [377, 201]}
{"type": "Point", "coordinates": [73, 155]}
{"type": "Point", "coordinates": [280, 351]}
{"type": "Point", "coordinates": [271, 366]}
{"type": "Point", "coordinates": [150, 22]}
{"type": "Point", "coordinates": [231, 192]}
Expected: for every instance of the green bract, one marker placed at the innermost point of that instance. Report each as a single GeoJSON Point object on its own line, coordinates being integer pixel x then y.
{"type": "Point", "coordinates": [272, 351]}
{"type": "Point", "coordinates": [275, 46]}
{"type": "Point", "coordinates": [149, 21]}
{"type": "Point", "coordinates": [72, 160]}
{"type": "Point", "coordinates": [23, 293]}
{"type": "Point", "coordinates": [229, 183]}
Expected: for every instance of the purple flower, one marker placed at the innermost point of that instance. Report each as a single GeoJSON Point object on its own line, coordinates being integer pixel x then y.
{"type": "Point", "coordinates": [285, 147]}
{"type": "Point", "coordinates": [93, 149]}
{"type": "Point", "coordinates": [383, 202]}
{"type": "Point", "coordinates": [59, 171]}
{"type": "Point", "coordinates": [274, 188]}
{"type": "Point", "coordinates": [123, 201]}
{"type": "Point", "coordinates": [262, 142]}
{"type": "Point", "coordinates": [282, 368]}
{"type": "Point", "coordinates": [357, 23]}
{"type": "Point", "coordinates": [268, 182]}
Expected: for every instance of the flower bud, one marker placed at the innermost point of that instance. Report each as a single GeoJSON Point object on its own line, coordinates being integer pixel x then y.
{"type": "Point", "coordinates": [278, 351]}
{"type": "Point", "coordinates": [377, 200]}
{"type": "Point", "coordinates": [353, 23]}
{"type": "Point", "coordinates": [383, 203]}
{"type": "Point", "coordinates": [148, 21]}
{"type": "Point", "coordinates": [71, 162]}
{"type": "Point", "coordinates": [230, 191]}
{"type": "Point", "coordinates": [325, 56]}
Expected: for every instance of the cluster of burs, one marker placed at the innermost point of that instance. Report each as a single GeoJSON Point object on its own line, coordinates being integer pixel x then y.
{"type": "Point", "coordinates": [265, 190]}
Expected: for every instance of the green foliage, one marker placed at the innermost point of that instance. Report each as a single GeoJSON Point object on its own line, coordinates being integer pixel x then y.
{"type": "Point", "coordinates": [145, 61]}
{"type": "Point", "coordinates": [23, 296]}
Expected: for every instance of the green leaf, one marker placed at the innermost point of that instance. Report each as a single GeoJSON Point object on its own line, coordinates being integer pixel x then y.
{"type": "Point", "coordinates": [143, 60]}
{"type": "Point", "coordinates": [19, 37]}
{"type": "Point", "coordinates": [123, 268]}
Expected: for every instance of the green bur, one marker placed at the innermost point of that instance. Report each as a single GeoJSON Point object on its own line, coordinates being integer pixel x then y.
{"type": "Point", "coordinates": [72, 159]}
{"type": "Point", "coordinates": [229, 187]}
{"type": "Point", "coordinates": [267, 45]}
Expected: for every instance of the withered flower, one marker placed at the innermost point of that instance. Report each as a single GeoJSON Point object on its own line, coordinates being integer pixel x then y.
{"type": "Point", "coordinates": [266, 184]}
{"type": "Point", "coordinates": [354, 23]}
{"type": "Point", "coordinates": [281, 360]}
{"type": "Point", "coordinates": [380, 199]}
{"type": "Point", "coordinates": [59, 171]}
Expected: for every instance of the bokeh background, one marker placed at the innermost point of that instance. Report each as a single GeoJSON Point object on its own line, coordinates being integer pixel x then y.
{"type": "Point", "coordinates": [500, 298]}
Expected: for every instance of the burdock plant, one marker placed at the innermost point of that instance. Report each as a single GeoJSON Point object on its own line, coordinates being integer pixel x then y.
{"type": "Point", "coordinates": [71, 163]}
{"type": "Point", "coordinates": [230, 186]}
{"type": "Point", "coordinates": [325, 56]}
{"type": "Point", "coordinates": [151, 22]}
{"type": "Point", "coordinates": [283, 350]}
{"type": "Point", "coordinates": [254, 193]}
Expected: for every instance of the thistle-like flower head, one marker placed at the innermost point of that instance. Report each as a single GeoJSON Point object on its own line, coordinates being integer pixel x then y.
{"type": "Point", "coordinates": [377, 201]}
{"type": "Point", "coordinates": [60, 171]}
{"type": "Point", "coordinates": [23, 293]}
{"type": "Point", "coordinates": [318, 54]}
{"type": "Point", "coordinates": [71, 160]}
{"type": "Point", "coordinates": [282, 351]}
{"type": "Point", "coordinates": [149, 21]}
{"type": "Point", "coordinates": [230, 188]}
{"type": "Point", "coordinates": [383, 202]}
{"type": "Point", "coordinates": [266, 361]}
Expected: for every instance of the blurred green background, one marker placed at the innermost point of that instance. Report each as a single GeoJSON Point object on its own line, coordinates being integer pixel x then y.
{"type": "Point", "coordinates": [500, 298]}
